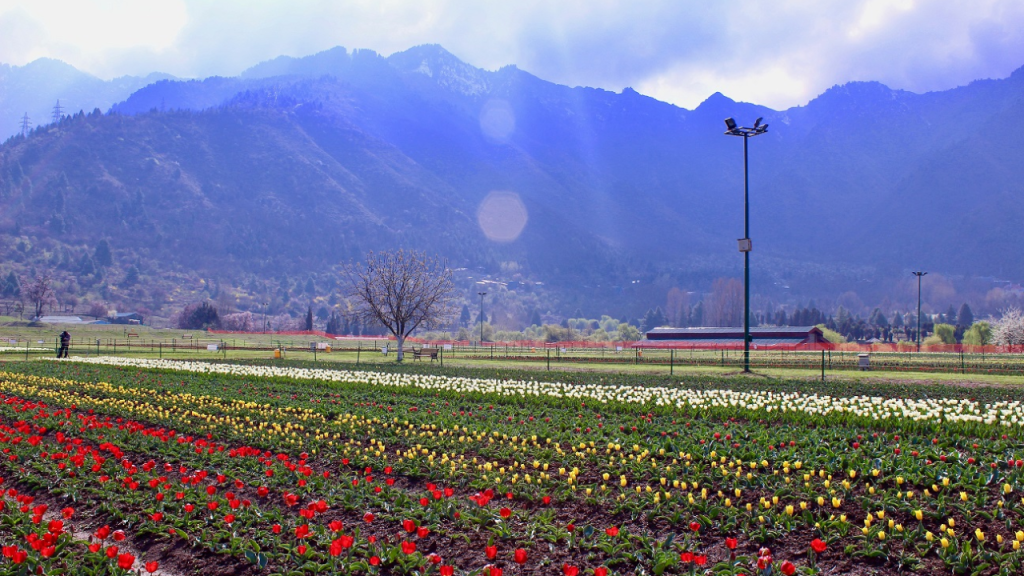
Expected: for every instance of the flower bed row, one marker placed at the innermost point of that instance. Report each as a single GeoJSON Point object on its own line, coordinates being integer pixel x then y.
{"type": "Point", "coordinates": [429, 478]}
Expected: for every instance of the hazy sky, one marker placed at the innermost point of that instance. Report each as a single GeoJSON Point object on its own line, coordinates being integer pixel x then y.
{"type": "Point", "coordinates": [774, 52]}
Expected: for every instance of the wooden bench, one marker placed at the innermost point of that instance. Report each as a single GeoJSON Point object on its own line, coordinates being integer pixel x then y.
{"type": "Point", "coordinates": [425, 353]}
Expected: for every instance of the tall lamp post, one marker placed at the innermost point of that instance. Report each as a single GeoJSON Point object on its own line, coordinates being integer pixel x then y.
{"type": "Point", "coordinates": [482, 294]}
{"type": "Point", "coordinates": [265, 317]}
{"type": "Point", "coordinates": [919, 275]}
{"type": "Point", "coordinates": [744, 243]}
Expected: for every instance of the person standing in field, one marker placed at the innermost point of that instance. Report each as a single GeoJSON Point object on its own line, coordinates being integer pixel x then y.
{"type": "Point", "coordinates": [65, 343]}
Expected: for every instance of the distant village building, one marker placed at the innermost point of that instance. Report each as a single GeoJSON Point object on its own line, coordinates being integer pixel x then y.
{"type": "Point", "coordinates": [126, 318]}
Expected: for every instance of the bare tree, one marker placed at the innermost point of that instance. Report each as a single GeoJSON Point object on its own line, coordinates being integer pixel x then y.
{"type": "Point", "coordinates": [39, 292]}
{"type": "Point", "coordinates": [725, 303]}
{"type": "Point", "coordinates": [401, 290]}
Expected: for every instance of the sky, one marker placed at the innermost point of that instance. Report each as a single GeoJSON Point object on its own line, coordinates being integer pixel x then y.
{"type": "Point", "coordinates": [778, 53]}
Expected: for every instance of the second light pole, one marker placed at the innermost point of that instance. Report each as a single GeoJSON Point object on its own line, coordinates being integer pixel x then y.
{"type": "Point", "coordinates": [745, 244]}
{"type": "Point", "coordinates": [482, 294]}
{"type": "Point", "coordinates": [919, 275]}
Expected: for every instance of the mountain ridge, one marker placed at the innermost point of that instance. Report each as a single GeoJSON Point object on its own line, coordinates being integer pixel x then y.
{"type": "Point", "coordinates": [625, 194]}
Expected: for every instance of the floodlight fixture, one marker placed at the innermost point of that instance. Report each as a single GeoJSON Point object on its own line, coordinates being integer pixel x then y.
{"type": "Point", "coordinates": [757, 122]}
{"type": "Point", "coordinates": [730, 124]}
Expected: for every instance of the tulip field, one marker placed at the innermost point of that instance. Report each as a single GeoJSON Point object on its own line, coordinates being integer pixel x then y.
{"type": "Point", "coordinates": [138, 466]}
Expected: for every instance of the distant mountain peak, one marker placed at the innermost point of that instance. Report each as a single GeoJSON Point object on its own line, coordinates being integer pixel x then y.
{"type": "Point", "coordinates": [445, 68]}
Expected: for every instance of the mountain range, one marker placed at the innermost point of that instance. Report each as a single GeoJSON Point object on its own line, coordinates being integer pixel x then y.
{"type": "Point", "coordinates": [298, 164]}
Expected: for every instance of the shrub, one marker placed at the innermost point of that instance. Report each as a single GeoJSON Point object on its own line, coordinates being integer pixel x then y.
{"type": "Point", "coordinates": [199, 316]}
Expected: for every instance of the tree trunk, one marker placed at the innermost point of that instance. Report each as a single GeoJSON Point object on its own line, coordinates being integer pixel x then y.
{"type": "Point", "coordinates": [401, 346]}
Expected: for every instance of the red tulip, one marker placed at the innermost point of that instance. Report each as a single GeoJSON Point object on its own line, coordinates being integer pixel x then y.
{"type": "Point", "coordinates": [600, 571]}
{"type": "Point", "coordinates": [422, 531]}
{"type": "Point", "coordinates": [335, 526]}
{"type": "Point", "coordinates": [409, 525]}
{"type": "Point", "coordinates": [519, 556]}
{"type": "Point", "coordinates": [230, 518]}
{"type": "Point", "coordinates": [788, 569]}
{"type": "Point", "coordinates": [570, 570]}
{"type": "Point", "coordinates": [731, 543]}
{"type": "Point", "coordinates": [152, 566]}
{"type": "Point", "coordinates": [613, 531]}
{"type": "Point", "coordinates": [818, 546]}
{"type": "Point", "coordinates": [505, 512]}
{"type": "Point", "coordinates": [408, 547]}
{"type": "Point", "coordinates": [302, 549]}
{"type": "Point", "coordinates": [695, 526]}
{"type": "Point", "coordinates": [125, 561]}
{"type": "Point", "coordinates": [374, 560]}
{"type": "Point", "coordinates": [446, 570]}
{"type": "Point", "coordinates": [686, 557]}
{"type": "Point", "coordinates": [491, 552]}
{"type": "Point", "coordinates": [368, 518]}
{"type": "Point", "coordinates": [68, 512]}
{"type": "Point", "coordinates": [118, 535]}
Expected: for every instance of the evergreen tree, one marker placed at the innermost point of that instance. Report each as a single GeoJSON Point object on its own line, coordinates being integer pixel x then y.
{"type": "Point", "coordinates": [309, 316]}
{"type": "Point", "coordinates": [132, 276]}
{"type": "Point", "coordinates": [965, 317]}
{"type": "Point", "coordinates": [465, 317]}
{"type": "Point", "coordinates": [334, 324]}
{"type": "Point", "coordinates": [12, 287]}
{"type": "Point", "coordinates": [103, 255]}
{"type": "Point", "coordinates": [310, 286]}
{"type": "Point", "coordinates": [535, 319]}
{"type": "Point", "coordinates": [950, 316]}
{"type": "Point", "coordinates": [697, 314]}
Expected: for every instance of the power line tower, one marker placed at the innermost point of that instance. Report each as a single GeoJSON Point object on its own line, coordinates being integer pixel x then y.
{"type": "Point", "coordinates": [58, 112]}
{"type": "Point", "coordinates": [25, 124]}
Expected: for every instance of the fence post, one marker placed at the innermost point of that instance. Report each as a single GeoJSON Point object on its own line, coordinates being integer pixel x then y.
{"type": "Point", "coordinates": [26, 349]}
{"type": "Point", "coordinates": [548, 350]}
{"type": "Point", "coordinates": [822, 365]}
{"type": "Point", "coordinates": [440, 355]}
{"type": "Point", "coordinates": [671, 362]}
{"type": "Point", "coordinates": [161, 345]}
{"type": "Point", "coordinates": [359, 348]}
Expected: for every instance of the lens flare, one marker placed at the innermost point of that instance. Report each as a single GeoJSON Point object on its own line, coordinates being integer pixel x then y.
{"type": "Point", "coordinates": [502, 216]}
{"type": "Point", "coordinates": [497, 120]}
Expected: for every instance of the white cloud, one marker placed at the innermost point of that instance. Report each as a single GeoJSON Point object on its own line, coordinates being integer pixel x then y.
{"type": "Point", "coordinates": [779, 53]}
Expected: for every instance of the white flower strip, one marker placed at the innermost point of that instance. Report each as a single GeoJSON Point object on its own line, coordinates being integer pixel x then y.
{"type": "Point", "coordinates": [16, 349]}
{"type": "Point", "coordinates": [875, 408]}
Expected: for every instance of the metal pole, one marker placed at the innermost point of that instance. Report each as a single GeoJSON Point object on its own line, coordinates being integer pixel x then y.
{"type": "Point", "coordinates": [482, 294]}
{"type": "Point", "coordinates": [919, 275]}
{"type": "Point", "coordinates": [746, 261]}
